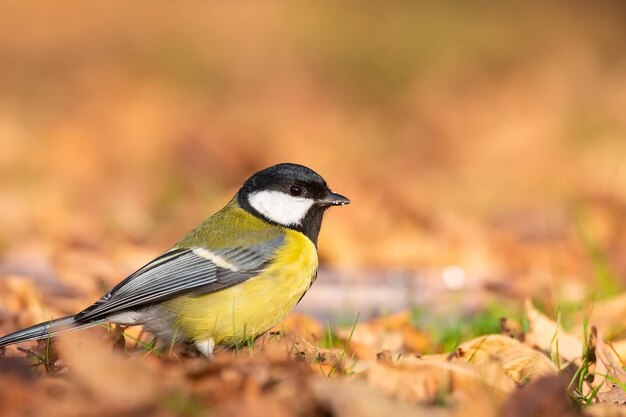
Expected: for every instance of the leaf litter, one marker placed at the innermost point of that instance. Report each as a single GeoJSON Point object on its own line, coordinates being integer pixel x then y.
{"type": "Point", "coordinates": [287, 372]}
{"type": "Point", "coordinates": [98, 175]}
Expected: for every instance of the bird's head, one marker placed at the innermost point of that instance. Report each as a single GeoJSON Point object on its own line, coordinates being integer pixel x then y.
{"type": "Point", "coordinates": [290, 195]}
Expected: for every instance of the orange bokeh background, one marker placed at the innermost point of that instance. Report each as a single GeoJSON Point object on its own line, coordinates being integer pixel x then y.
{"type": "Point", "coordinates": [478, 137]}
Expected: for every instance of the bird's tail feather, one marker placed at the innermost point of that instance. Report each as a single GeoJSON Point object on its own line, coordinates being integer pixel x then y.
{"type": "Point", "coordinates": [44, 330]}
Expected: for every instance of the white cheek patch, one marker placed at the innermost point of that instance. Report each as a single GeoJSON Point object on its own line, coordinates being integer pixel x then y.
{"type": "Point", "coordinates": [280, 207]}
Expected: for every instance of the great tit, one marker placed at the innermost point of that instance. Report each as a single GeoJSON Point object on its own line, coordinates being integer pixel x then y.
{"type": "Point", "coordinates": [233, 277]}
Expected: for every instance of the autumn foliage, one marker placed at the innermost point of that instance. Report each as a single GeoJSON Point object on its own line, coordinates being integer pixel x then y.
{"type": "Point", "coordinates": [480, 270]}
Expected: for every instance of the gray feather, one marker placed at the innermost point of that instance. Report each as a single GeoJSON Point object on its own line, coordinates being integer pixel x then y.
{"type": "Point", "coordinates": [178, 272]}
{"type": "Point", "coordinates": [44, 330]}
{"type": "Point", "coordinates": [172, 274]}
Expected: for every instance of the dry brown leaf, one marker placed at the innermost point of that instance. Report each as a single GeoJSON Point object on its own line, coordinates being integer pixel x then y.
{"type": "Point", "coordinates": [369, 339]}
{"type": "Point", "coordinates": [613, 365]}
{"type": "Point", "coordinates": [14, 384]}
{"type": "Point", "coordinates": [609, 312]}
{"type": "Point", "coordinates": [548, 336]}
{"type": "Point", "coordinates": [415, 340]}
{"type": "Point", "coordinates": [258, 406]}
{"type": "Point", "coordinates": [22, 393]}
{"type": "Point", "coordinates": [544, 397]}
{"type": "Point", "coordinates": [605, 410]}
{"type": "Point", "coordinates": [394, 333]}
{"type": "Point", "coordinates": [429, 380]}
{"type": "Point", "coordinates": [250, 386]}
{"type": "Point", "coordinates": [512, 329]}
{"type": "Point", "coordinates": [418, 382]}
{"type": "Point", "coordinates": [619, 347]}
{"type": "Point", "coordinates": [109, 378]}
{"type": "Point", "coordinates": [298, 324]}
{"type": "Point", "coordinates": [322, 361]}
{"type": "Point", "coordinates": [18, 294]}
{"type": "Point", "coordinates": [614, 395]}
{"type": "Point", "coordinates": [397, 321]}
{"type": "Point", "coordinates": [347, 399]}
{"type": "Point", "coordinates": [518, 360]}
{"type": "Point", "coordinates": [608, 367]}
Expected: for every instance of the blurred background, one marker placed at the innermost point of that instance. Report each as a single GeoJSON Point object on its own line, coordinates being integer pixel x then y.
{"type": "Point", "coordinates": [483, 147]}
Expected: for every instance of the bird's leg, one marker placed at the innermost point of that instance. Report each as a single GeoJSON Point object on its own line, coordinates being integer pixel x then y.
{"type": "Point", "coordinates": [206, 347]}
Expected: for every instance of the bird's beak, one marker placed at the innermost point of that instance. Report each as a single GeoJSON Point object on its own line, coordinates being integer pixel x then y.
{"type": "Point", "coordinates": [333, 199]}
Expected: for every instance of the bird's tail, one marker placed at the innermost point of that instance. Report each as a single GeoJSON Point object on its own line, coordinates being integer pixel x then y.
{"type": "Point", "coordinates": [44, 330]}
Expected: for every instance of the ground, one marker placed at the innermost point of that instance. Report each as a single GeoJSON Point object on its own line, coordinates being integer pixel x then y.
{"type": "Point", "coordinates": [483, 148]}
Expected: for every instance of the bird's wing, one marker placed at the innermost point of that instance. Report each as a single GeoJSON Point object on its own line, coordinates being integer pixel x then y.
{"type": "Point", "coordinates": [178, 271]}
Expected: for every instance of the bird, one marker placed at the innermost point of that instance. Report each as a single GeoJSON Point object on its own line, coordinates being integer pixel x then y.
{"type": "Point", "coordinates": [232, 278]}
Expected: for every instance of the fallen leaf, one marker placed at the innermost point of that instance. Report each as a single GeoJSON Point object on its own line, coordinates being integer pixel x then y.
{"type": "Point", "coordinates": [543, 397]}
{"type": "Point", "coordinates": [511, 328]}
{"type": "Point", "coordinates": [608, 367]}
{"type": "Point", "coordinates": [611, 312]}
{"type": "Point", "coordinates": [251, 386]}
{"type": "Point", "coordinates": [619, 347]}
{"type": "Point", "coordinates": [605, 410]}
{"type": "Point", "coordinates": [433, 380]}
{"type": "Point", "coordinates": [109, 378]}
{"type": "Point", "coordinates": [300, 325]}
{"type": "Point", "coordinates": [323, 361]}
{"type": "Point", "coordinates": [18, 294]}
{"type": "Point", "coordinates": [614, 395]}
{"type": "Point", "coordinates": [518, 360]}
{"type": "Point", "coordinates": [347, 399]}
{"type": "Point", "coordinates": [548, 336]}
{"type": "Point", "coordinates": [255, 407]}
{"type": "Point", "coordinates": [394, 333]}
{"type": "Point", "coordinates": [368, 339]}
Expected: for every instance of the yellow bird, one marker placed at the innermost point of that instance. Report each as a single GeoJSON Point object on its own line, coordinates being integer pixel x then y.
{"type": "Point", "coordinates": [233, 277]}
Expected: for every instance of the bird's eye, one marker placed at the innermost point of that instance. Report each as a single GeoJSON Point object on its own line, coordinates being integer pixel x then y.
{"type": "Point", "coordinates": [296, 190]}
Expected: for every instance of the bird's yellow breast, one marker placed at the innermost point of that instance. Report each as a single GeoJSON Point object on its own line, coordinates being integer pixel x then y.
{"type": "Point", "coordinates": [256, 305]}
